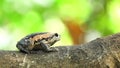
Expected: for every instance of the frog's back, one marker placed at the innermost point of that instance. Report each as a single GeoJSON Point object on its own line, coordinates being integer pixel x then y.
{"type": "Point", "coordinates": [34, 34]}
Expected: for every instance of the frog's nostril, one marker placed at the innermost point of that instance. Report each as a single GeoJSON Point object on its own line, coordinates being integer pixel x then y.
{"type": "Point", "coordinates": [56, 34]}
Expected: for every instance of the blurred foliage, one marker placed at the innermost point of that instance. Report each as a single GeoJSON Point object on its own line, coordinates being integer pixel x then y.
{"type": "Point", "coordinates": [21, 17]}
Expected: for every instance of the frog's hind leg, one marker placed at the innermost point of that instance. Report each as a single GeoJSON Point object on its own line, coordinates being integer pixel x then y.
{"type": "Point", "coordinates": [22, 49]}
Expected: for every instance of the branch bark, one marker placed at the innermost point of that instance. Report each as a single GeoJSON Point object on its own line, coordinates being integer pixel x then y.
{"type": "Point", "coordinates": [100, 53]}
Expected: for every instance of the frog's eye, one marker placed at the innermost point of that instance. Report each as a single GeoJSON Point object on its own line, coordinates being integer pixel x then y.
{"type": "Point", "coordinates": [56, 34]}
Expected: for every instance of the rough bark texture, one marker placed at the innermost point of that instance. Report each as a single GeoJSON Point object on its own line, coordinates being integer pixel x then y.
{"type": "Point", "coordinates": [100, 53]}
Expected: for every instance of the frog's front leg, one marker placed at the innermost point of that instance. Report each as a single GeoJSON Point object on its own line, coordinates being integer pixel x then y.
{"type": "Point", "coordinates": [47, 48]}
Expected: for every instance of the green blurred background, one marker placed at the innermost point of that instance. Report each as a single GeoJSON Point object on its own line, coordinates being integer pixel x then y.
{"type": "Point", "coordinates": [77, 21]}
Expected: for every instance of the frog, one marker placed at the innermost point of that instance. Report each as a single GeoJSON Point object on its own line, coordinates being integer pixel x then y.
{"type": "Point", "coordinates": [38, 41]}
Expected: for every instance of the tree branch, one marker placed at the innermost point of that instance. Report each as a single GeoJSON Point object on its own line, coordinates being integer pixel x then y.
{"type": "Point", "coordinates": [100, 53]}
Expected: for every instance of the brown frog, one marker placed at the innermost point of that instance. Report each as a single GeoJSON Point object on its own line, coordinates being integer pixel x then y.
{"type": "Point", "coordinates": [38, 41]}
